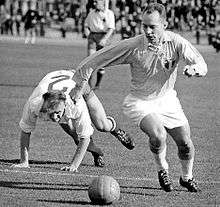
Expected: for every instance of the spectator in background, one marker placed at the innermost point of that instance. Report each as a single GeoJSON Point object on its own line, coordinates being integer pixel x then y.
{"type": "Point", "coordinates": [18, 18]}
{"type": "Point", "coordinates": [99, 28]}
{"type": "Point", "coordinates": [62, 19]}
{"type": "Point", "coordinates": [2, 18]}
{"type": "Point", "coordinates": [30, 20]}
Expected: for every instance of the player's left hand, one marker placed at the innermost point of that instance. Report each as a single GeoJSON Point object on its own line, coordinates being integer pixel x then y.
{"type": "Point", "coordinates": [69, 168]}
{"type": "Point", "coordinates": [190, 71]}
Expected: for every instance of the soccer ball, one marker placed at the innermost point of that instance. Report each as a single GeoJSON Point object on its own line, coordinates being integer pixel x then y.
{"type": "Point", "coordinates": [104, 190]}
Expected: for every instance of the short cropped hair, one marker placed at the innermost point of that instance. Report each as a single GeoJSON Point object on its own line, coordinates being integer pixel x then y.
{"type": "Point", "coordinates": [53, 98]}
{"type": "Point", "coordinates": [150, 8]}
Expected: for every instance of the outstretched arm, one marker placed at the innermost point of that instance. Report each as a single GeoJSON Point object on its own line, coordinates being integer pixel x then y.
{"type": "Point", "coordinates": [24, 149]}
{"type": "Point", "coordinates": [78, 156]}
{"type": "Point", "coordinates": [195, 63]}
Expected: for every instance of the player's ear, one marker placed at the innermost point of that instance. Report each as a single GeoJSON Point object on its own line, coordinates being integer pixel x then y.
{"type": "Point", "coordinates": [165, 24]}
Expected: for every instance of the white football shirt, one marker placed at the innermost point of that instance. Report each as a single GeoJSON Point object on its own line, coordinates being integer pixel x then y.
{"type": "Point", "coordinates": [57, 80]}
{"type": "Point", "coordinates": [152, 74]}
{"type": "Point", "coordinates": [100, 21]}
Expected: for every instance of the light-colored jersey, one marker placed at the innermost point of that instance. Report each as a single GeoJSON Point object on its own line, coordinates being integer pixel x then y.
{"type": "Point", "coordinates": [57, 80]}
{"type": "Point", "coordinates": [98, 21]}
{"type": "Point", "coordinates": [152, 74]}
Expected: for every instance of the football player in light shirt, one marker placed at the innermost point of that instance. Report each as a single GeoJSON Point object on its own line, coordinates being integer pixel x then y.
{"type": "Point", "coordinates": [50, 101]}
{"type": "Point", "coordinates": [152, 103]}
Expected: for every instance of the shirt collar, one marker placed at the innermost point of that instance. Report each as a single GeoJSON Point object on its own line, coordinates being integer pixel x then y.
{"type": "Point", "coordinates": [166, 37]}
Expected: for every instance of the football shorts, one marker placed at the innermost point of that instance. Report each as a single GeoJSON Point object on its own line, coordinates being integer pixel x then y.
{"type": "Point", "coordinates": [167, 108]}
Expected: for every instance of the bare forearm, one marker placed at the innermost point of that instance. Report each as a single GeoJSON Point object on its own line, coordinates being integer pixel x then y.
{"type": "Point", "coordinates": [109, 34]}
{"type": "Point", "coordinates": [80, 152]}
{"type": "Point", "coordinates": [24, 146]}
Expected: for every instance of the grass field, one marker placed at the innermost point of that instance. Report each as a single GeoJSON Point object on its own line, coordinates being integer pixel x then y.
{"type": "Point", "coordinates": [22, 66]}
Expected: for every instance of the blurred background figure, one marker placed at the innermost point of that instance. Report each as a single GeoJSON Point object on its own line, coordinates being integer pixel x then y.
{"type": "Point", "coordinates": [99, 28]}
{"type": "Point", "coordinates": [18, 18]}
{"type": "Point", "coordinates": [30, 20]}
{"type": "Point", "coordinates": [199, 18]}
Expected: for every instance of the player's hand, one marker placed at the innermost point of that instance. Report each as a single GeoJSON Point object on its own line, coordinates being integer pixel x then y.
{"type": "Point", "coordinates": [190, 71]}
{"type": "Point", "coordinates": [69, 168]}
{"type": "Point", "coordinates": [76, 93]}
{"type": "Point", "coordinates": [103, 42]}
{"type": "Point", "coordinates": [20, 165]}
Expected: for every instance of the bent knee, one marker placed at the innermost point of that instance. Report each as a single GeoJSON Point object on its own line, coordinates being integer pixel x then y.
{"type": "Point", "coordinates": [186, 150]}
{"type": "Point", "coordinates": [157, 141]}
{"type": "Point", "coordinates": [102, 125]}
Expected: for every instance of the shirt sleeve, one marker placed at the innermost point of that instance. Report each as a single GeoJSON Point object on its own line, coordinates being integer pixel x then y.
{"type": "Point", "coordinates": [115, 54]}
{"type": "Point", "coordinates": [83, 124]}
{"type": "Point", "coordinates": [28, 120]}
{"type": "Point", "coordinates": [110, 21]}
{"type": "Point", "coordinates": [191, 56]}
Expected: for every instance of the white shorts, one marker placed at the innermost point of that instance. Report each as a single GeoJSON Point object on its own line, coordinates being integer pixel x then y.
{"type": "Point", "coordinates": [167, 108]}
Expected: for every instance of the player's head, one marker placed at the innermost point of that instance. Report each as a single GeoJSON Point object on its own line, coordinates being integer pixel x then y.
{"type": "Point", "coordinates": [54, 105]}
{"type": "Point", "coordinates": [99, 5]}
{"type": "Point", "coordinates": [154, 22]}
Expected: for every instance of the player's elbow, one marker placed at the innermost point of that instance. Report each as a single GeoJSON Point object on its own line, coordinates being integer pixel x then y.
{"type": "Point", "coordinates": [204, 69]}
{"type": "Point", "coordinates": [201, 69]}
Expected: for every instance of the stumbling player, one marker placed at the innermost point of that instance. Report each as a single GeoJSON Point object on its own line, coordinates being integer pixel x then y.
{"type": "Point", "coordinates": [50, 101]}
{"type": "Point", "coordinates": [152, 104]}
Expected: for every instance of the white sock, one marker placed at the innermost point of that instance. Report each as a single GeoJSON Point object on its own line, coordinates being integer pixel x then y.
{"type": "Point", "coordinates": [160, 160]}
{"type": "Point", "coordinates": [187, 168]}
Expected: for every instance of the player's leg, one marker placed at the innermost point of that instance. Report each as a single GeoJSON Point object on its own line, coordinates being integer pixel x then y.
{"type": "Point", "coordinates": [153, 127]}
{"type": "Point", "coordinates": [101, 71]}
{"type": "Point", "coordinates": [105, 123]}
{"type": "Point", "coordinates": [33, 35]}
{"type": "Point", "coordinates": [91, 49]}
{"type": "Point", "coordinates": [95, 151]}
{"type": "Point", "coordinates": [186, 153]}
{"type": "Point", "coordinates": [99, 77]}
{"type": "Point", "coordinates": [27, 36]}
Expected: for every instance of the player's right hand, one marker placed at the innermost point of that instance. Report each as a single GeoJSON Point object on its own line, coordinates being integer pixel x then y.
{"type": "Point", "coordinates": [76, 93]}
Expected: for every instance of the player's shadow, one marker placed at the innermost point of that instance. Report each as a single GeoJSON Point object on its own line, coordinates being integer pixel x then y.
{"type": "Point", "coordinates": [65, 202]}
{"type": "Point", "coordinates": [36, 162]}
{"type": "Point", "coordinates": [142, 188]}
{"type": "Point", "coordinates": [46, 164]}
{"type": "Point", "coordinates": [48, 186]}
{"type": "Point", "coordinates": [44, 186]}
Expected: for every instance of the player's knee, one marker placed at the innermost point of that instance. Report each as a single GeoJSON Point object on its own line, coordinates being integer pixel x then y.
{"type": "Point", "coordinates": [157, 142]}
{"type": "Point", "coordinates": [186, 150]}
{"type": "Point", "coordinates": [102, 125]}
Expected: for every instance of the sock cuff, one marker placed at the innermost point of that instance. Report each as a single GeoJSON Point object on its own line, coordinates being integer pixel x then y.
{"type": "Point", "coordinates": [113, 122]}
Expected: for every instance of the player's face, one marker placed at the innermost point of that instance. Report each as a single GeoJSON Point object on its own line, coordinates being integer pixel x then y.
{"type": "Point", "coordinates": [100, 4]}
{"type": "Point", "coordinates": [57, 112]}
{"type": "Point", "coordinates": [153, 26]}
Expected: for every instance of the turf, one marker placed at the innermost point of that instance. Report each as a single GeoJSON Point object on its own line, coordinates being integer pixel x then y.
{"type": "Point", "coordinates": [22, 67]}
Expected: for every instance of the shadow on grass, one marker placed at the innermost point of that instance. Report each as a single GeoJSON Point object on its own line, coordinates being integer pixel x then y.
{"type": "Point", "coordinates": [36, 162]}
{"type": "Point", "coordinates": [44, 163]}
{"type": "Point", "coordinates": [69, 187]}
{"type": "Point", "coordinates": [66, 202]}
{"type": "Point", "coordinates": [43, 186]}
